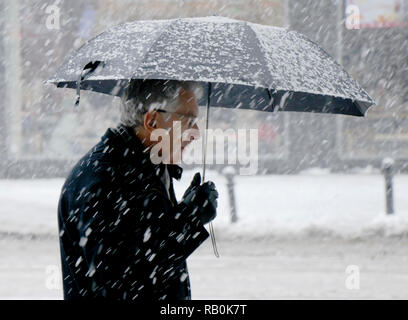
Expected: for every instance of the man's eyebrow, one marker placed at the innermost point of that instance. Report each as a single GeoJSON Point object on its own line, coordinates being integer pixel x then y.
{"type": "Point", "coordinates": [181, 114]}
{"type": "Point", "coordinates": [188, 114]}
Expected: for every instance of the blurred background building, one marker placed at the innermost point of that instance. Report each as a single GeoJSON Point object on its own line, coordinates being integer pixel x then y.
{"type": "Point", "coordinates": [42, 134]}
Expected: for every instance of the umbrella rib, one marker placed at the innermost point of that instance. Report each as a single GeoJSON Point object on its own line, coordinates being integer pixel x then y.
{"type": "Point", "coordinates": [261, 55]}
{"type": "Point", "coordinates": [146, 54]}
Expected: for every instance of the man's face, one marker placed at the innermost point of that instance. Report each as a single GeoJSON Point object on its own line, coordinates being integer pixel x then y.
{"type": "Point", "coordinates": [185, 118]}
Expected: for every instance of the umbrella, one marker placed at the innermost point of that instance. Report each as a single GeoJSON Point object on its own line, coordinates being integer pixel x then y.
{"type": "Point", "coordinates": [243, 64]}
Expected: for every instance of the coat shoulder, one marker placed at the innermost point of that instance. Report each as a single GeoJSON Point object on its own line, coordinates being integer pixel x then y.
{"type": "Point", "coordinates": [110, 166]}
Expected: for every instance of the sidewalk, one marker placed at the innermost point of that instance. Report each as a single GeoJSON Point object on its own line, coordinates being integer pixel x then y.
{"type": "Point", "coordinates": [246, 269]}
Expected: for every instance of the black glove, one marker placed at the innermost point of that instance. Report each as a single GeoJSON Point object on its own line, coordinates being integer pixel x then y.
{"type": "Point", "coordinates": [201, 199]}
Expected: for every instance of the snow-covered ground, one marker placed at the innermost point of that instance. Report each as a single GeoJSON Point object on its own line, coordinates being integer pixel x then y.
{"type": "Point", "coordinates": [270, 205]}
{"type": "Point", "coordinates": [295, 237]}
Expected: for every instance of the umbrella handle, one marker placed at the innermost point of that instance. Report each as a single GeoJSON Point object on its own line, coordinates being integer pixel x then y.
{"type": "Point", "coordinates": [212, 233]}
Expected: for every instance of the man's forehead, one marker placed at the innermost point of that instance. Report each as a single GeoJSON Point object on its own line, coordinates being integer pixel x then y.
{"type": "Point", "coordinates": [187, 103]}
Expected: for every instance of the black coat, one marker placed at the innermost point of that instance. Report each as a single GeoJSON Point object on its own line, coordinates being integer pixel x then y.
{"type": "Point", "coordinates": [121, 236]}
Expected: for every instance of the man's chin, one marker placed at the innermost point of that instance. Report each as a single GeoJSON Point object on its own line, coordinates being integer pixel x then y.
{"type": "Point", "coordinates": [177, 158]}
{"type": "Point", "coordinates": [173, 160]}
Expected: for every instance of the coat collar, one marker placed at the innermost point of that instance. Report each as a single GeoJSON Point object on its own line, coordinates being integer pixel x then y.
{"type": "Point", "coordinates": [175, 171]}
{"type": "Point", "coordinates": [134, 148]}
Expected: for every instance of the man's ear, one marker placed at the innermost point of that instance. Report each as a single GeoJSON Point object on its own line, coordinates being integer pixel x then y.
{"type": "Point", "coordinates": [149, 121]}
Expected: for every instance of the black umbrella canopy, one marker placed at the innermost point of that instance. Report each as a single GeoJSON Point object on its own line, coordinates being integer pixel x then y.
{"type": "Point", "coordinates": [250, 66]}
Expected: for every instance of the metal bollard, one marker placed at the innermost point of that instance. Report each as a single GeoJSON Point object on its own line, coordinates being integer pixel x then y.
{"type": "Point", "coordinates": [229, 173]}
{"type": "Point", "coordinates": [387, 169]}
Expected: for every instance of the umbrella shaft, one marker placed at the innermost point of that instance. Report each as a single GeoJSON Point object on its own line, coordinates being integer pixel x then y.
{"type": "Point", "coordinates": [212, 233]}
{"type": "Point", "coordinates": [207, 112]}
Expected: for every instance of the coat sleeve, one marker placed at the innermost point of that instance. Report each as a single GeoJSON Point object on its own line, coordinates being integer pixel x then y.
{"type": "Point", "coordinates": [138, 240]}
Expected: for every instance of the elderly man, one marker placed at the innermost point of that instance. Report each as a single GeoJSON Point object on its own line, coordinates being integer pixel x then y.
{"type": "Point", "coordinates": [123, 235]}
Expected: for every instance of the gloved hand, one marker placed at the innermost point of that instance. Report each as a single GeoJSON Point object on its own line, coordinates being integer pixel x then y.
{"type": "Point", "coordinates": [201, 199]}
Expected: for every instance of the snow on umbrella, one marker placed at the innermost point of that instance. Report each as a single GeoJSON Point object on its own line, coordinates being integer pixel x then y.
{"type": "Point", "coordinates": [250, 65]}
{"type": "Point", "coordinates": [246, 65]}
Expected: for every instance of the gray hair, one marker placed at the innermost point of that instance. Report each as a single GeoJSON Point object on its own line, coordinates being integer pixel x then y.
{"type": "Point", "coordinates": [143, 95]}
